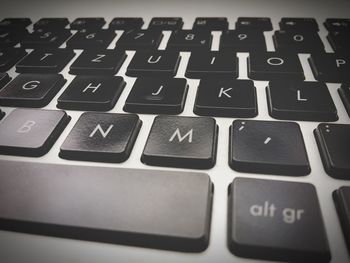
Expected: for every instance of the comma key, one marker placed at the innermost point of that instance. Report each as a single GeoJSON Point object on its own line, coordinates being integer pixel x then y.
{"type": "Point", "coordinates": [276, 220]}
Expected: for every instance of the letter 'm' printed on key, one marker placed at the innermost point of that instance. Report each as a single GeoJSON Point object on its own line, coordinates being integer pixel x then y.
{"type": "Point", "coordinates": [180, 138]}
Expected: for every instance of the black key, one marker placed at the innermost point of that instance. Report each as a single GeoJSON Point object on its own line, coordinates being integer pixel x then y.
{"type": "Point", "coordinates": [88, 23]}
{"type": "Point", "coordinates": [181, 142]}
{"type": "Point", "coordinates": [91, 93]}
{"type": "Point", "coordinates": [45, 38]}
{"type": "Point", "coordinates": [210, 24]}
{"type": "Point", "coordinates": [51, 23]}
{"type": "Point", "coordinates": [140, 39]}
{"type": "Point", "coordinates": [342, 203]}
{"type": "Point", "coordinates": [298, 24]}
{"type": "Point", "coordinates": [154, 64]}
{"type": "Point", "coordinates": [344, 93]}
{"type": "Point", "coordinates": [243, 40]}
{"type": "Point", "coordinates": [9, 57]}
{"type": "Point", "coordinates": [31, 132]}
{"type": "Point", "coordinates": [276, 220]}
{"type": "Point", "coordinates": [31, 90]}
{"type": "Point", "coordinates": [4, 79]}
{"type": "Point", "coordinates": [256, 23]}
{"type": "Point", "coordinates": [45, 61]}
{"type": "Point", "coordinates": [226, 98]}
{"type": "Point", "coordinates": [206, 64]}
{"type": "Point", "coordinates": [166, 23]}
{"type": "Point", "coordinates": [330, 67]}
{"type": "Point", "coordinates": [337, 24]}
{"type": "Point", "coordinates": [11, 38]}
{"type": "Point", "coordinates": [97, 39]}
{"type": "Point", "coordinates": [101, 137]}
{"type": "Point", "coordinates": [2, 114]}
{"type": "Point", "coordinates": [159, 96]}
{"type": "Point", "coordinates": [268, 147]}
{"type": "Point", "coordinates": [103, 62]}
{"type": "Point", "coordinates": [333, 143]}
{"type": "Point", "coordinates": [298, 41]}
{"type": "Point", "coordinates": [274, 65]}
{"type": "Point", "coordinates": [14, 23]}
{"type": "Point", "coordinates": [94, 203]}
{"type": "Point", "coordinates": [126, 23]}
{"type": "Point", "coordinates": [188, 40]}
{"type": "Point", "coordinates": [298, 100]}
{"type": "Point", "coordinates": [339, 40]}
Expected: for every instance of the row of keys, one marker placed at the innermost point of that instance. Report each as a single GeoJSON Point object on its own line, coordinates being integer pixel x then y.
{"type": "Point", "coordinates": [176, 23]}
{"type": "Point", "coordinates": [289, 211]}
{"type": "Point", "coordinates": [191, 142]}
{"type": "Point", "coordinates": [242, 40]}
{"type": "Point", "coordinates": [296, 100]}
{"type": "Point", "coordinates": [326, 67]}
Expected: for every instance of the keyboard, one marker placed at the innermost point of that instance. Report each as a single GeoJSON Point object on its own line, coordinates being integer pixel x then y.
{"type": "Point", "coordinates": [145, 131]}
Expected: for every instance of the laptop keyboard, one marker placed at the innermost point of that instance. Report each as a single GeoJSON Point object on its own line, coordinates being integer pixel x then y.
{"type": "Point", "coordinates": [267, 218]}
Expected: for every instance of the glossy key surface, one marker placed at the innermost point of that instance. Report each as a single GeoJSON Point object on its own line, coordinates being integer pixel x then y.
{"type": "Point", "coordinates": [94, 203]}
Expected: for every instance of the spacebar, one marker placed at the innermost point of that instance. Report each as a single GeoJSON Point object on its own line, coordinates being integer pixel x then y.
{"type": "Point", "coordinates": [158, 209]}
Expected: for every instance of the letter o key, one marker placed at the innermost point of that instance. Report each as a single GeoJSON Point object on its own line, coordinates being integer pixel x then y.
{"type": "Point", "coordinates": [275, 61]}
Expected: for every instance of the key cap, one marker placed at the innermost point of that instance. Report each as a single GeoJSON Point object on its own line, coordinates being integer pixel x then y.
{"type": "Point", "coordinates": [226, 98]}
{"type": "Point", "coordinates": [188, 142]}
{"type": "Point", "coordinates": [45, 61]}
{"type": "Point", "coordinates": [276, 220]}
{"type": "Point", "coordinates": [55, 23]}
{"type": "Point", "coordinates": [126, 23]}
{"type": "Point", "coordinates": [91, 93]}
{"type": "Point", "coordinates": [298, 41]}
{"type": "Point", "coordinates": [2, 114]}
{"type": "Point", "coordinates": [103, 62]}
{"type": "Point", "coordinates": [268, 147]}
{"type": "Point", "coordinates": [337, 24]}
{"type": "Point", "coordinates": [298, 100]}
{"type": "Point", "coordinates": [140, 39]}
{"type": "Point", "coordinates": [274, 65]}
{"type": "Point", "coordinates": [4, 79]}
{"type": "Point", "coordinates": [10, 38]}
{"type": "Point", "coordinates": [9, 57]}
{"type": "Point", "coordinates": [333, 144]}
{"type": "Point", "coordinates": [210, 24]}
{"type": "Point", "coordinates": [93, 39]}
{"type": "Point", "coordinates": [339, 40]}
{"type": "Point", "coordinates": [43, 38]}
{"type": "Point", "coordinates": [341, 199]}
{"type": "Point", "coordinates": [256, 23]}
{"type": "Point", "coordinates": [344, 92]}
{"type": "Point", "coordinates": [31, 90]}
{"type": "Point", "coordinates": [204, 64]}
{"type": "Point", "coordinates": [101, 137]}
{"type": "Point", "coordinates": [189, 40]}
{"type": "Point", "coordinates": [158, 96]}
{"type": "Point", "coordinates": [243, 40]}
{"type": "Point", "coordinates": [102, 213]}
{"type": "Point", "coordinates": [88, 23]}
{"type": "Point", "coordinates": [166, 23]}
{"type": "Point", "coordinates": [31, 132]}
{"type": "Point", "coordinates": [329, 67]}
{"type": "Point", "coordinates": [298, 24]}
{"type": "Point", "coordinates": [154, 64]}
{"type": "Point", "coordinates": [14, 23]}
